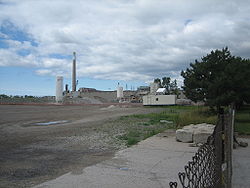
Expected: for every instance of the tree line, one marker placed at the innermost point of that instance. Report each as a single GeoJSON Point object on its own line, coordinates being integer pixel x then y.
{"type": "Point", "coordinates": [3, 96]}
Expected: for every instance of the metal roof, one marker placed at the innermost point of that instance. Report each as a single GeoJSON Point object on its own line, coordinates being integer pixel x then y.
{"type": "Point", "coordinates": [161, 90]}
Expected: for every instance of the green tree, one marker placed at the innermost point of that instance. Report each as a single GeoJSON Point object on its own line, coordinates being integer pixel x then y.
{"type": "Point", "coordinates": [171, 86]}
{"type": "Point", "coordinates": [220, 79]}
{"type": "Point", "coordinates": [174, 88]}
{"type": "Point", "coordinates": [166, 83]}
{"type": "Point", "coordinates": [158, 80]}
{"type": "Point", "coordinates": [3, 96]}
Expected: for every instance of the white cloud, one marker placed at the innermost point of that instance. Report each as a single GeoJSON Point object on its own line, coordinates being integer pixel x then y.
{"type": "Point", "coordinates": [125, 40]}
{"type": "Point", "coordinates": [43, 72]}
{"type": "Point", "coordinates": [10, 58]}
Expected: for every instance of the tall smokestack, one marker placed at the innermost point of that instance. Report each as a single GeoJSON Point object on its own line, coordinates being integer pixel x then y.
{"type": "Point", "coordinates": [74, 72]}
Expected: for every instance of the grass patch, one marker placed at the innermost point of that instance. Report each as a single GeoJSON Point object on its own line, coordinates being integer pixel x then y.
{"type": "Point", "coordinates": [131, 141]}
{"type": "Point", "coordinates": [142, 126]}
{"type": "Point", "coordinates": [136, 132]}
{"type": "Point", "coordinates": [242, 120]}
{"type": "Point", "coordinates": [195, 116]}
{"type": "Point", "coordinates": [185, 115]}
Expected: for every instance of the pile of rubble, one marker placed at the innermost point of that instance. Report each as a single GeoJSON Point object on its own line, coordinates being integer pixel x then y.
{"type": "Point", "coordinates": [197, 134]}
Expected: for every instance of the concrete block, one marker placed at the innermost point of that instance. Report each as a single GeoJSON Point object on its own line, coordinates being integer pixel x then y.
{"type": "Point", "coordinates": [202, 133]}
{"type": "Point", "coordinates": [200, 137]}
{"type": "Point", "coordinates": [184, 135]}
{"type": "Point", "coordinates": [195, 133]}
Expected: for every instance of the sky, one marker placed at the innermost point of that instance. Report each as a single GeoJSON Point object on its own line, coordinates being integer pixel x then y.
{"type": "Point", "coordinates": [126, 41]}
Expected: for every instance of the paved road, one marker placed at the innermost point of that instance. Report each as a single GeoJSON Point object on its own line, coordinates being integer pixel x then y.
{"type": "Point", "coordinates": [241, 166]}
{"type": "Point", "coordinates": [152, 163]}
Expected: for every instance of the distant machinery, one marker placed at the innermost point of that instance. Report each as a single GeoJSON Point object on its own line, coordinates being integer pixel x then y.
{"type": "Point", "coordinates": [87, 90]}
{"type": "Point", "coordinates": [59, 89]}
{"type": "Point", "coordinates": [67, 88]}
{"type": "Point", "coordinates": [143, 88]}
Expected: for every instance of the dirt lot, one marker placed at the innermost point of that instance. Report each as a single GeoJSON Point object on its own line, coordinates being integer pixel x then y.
{"type": "Point", "coordinates": [32, 153]}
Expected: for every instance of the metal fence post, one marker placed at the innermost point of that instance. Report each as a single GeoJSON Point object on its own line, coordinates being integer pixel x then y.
{"type": "Point", "coordinates": [219, 147]}
{"type": "Point", "coordinates": [228, 147]}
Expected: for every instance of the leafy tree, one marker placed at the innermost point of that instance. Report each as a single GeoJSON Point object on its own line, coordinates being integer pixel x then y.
{"type": "Point", "coordinates": [220, 79]}
{"type": "Point", "coordinates": [174, 88]}
{"type": "Point", "coordinates": [158, 80]}
{"type": "Point", "coordinates": [171, 87]}
{"type": "Point", "coordinates": [166, 83]}
{"type": "Point", "coordinates": [29, 96]}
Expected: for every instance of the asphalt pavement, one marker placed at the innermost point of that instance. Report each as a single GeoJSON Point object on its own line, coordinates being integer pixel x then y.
{"type": "Point", "coordinates": [153, 162]}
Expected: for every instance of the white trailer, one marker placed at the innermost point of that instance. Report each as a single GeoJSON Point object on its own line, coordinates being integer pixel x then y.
{"type": "Point", "coordinates": [150, 100]}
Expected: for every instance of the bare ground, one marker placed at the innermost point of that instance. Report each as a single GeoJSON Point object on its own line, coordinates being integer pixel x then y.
{"type": "Point", "coordinates": [31, 154]}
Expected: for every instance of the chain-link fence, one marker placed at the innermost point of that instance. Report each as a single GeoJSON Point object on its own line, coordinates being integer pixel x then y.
{"type": "Point", "coordinates": [211, 167]}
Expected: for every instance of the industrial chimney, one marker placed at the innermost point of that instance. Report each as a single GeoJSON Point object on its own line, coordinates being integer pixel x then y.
{"type": "Point", "coordinates": [74, 72]}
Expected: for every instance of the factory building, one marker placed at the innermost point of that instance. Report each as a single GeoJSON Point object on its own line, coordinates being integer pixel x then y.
{"type": "Point", "coordinates": [93, 96]}
{"type": "Point", "coordinates": [158, 96]}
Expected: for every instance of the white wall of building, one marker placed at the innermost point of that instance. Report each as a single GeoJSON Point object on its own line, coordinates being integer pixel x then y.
{"type": "Point", "coordinates": [159, 100]}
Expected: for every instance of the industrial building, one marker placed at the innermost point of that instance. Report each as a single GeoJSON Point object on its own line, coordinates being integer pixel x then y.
{"type": "Point", "coordinates": [91, 95]}
{"type": "Point", "coordinates": [157, 96]}
{"type": "Point", "coordinates": [148, 95]}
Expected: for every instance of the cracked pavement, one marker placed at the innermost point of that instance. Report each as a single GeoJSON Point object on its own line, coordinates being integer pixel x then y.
{"type": "Point", "coordinates": [153, 162]}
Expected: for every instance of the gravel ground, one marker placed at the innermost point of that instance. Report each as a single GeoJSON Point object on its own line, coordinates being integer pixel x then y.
{"type": "Point", "coordinates": [32, 153]}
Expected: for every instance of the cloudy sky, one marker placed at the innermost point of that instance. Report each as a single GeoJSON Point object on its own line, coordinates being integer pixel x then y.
{"type": "Point", "coordinates": [126, 41]}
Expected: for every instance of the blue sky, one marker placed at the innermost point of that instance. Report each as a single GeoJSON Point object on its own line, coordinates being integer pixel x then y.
{"type": "Point", "coordinates": [23, 81]}
{"type": "Point", "coordinates": [130, 42]}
